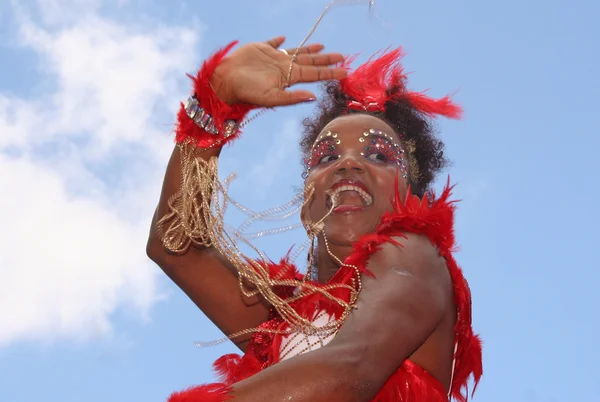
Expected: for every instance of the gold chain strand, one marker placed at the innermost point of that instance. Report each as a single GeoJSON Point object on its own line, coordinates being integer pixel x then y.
{"type": "Point", "coordinates": [196, 217]}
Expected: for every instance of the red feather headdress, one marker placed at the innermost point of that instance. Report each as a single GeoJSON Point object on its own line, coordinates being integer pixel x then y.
{"type": "Point", "coordinates": [382, 79]}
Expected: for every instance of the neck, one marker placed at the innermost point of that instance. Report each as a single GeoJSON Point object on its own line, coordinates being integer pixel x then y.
{"type": "Point", "coordinates": [327, 265]}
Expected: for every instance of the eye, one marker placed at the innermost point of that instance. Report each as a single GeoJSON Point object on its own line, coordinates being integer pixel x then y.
{"type": "Point", "coordinates": [327, 159]}
{"type": "Point", "coordinates": [377, 157]}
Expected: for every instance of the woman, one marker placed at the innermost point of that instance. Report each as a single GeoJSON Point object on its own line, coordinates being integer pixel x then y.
{"type": "Point", "coordinates": [388, 318]}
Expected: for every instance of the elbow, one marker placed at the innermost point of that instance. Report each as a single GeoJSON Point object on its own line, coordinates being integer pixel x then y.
{"type": "Point", "coordinates": [157, 253]}
{"type": "Point", "coordinates": [153, 245]}
{"type": "Point", "coordinates": [151, 249]}
{"type": "Point", "coordinates": [354, 380]}
{"type": "Point", "coordinates": [155, 250]}
{"type": "Point", "coordinates": [359, 385]}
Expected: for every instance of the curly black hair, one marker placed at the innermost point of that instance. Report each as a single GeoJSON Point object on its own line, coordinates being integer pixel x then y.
{"type": "Point", "coordinates": [424, 150]}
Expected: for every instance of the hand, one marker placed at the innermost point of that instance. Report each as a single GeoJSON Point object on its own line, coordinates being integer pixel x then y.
{"type": "Point", "coordinates": [257, 73]}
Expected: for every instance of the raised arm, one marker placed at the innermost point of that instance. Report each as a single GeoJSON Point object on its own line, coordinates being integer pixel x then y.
{"type": "Point", "coordinates": [201, 273]}
{"type": "Point", "coordinates": [254, 74]}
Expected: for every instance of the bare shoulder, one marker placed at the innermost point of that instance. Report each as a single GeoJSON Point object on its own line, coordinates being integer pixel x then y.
{"type": "Point", "coordinates": [413, 256]}
{"type": "Point", "coordinates": [406, 298]}
{"type": "Point", "coordinates": [407, 277]}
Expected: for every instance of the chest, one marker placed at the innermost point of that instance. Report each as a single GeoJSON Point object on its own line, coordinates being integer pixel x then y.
{"type": "Point", "coordinates": [297, 343]}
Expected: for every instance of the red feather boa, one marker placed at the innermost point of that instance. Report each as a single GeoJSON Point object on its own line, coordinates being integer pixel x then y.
{"type": "Point", "coordinates": [220, 111]}
{"type": "Point", "coordinates": [432, 217]}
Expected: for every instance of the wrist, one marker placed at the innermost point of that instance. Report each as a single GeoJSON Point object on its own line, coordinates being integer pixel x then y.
{"type": "Point", "coordinates": [211, 117]}
{"type": "Point", "coordinates": [221, 84]}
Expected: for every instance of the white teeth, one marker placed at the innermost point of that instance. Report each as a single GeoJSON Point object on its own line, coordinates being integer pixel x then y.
{"type": "Point", "coordinates": [366, 197]}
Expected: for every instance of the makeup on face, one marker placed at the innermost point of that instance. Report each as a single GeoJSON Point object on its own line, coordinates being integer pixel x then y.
{"type": "Point", "coordinates": [377, 147]}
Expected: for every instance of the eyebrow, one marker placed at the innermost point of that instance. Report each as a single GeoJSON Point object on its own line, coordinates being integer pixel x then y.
{"type": "Point", "coordinates": [383, 137]}
{"type": "Point", "coordinates": [329, 138]}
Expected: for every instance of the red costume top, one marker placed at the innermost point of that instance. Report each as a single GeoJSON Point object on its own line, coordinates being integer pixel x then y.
{"type": "Point", "coordinates": [410, 383]}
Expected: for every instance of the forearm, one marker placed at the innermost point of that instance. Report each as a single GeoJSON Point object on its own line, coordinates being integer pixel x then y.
{"type": "Point", "coordinates": [200, 271]}
{"type": "Point", "coordinates": [171, 184]}
{"type": "Point", "coordinates": [193, 134]}
{"type": "Point", "coordinates": [324, 375]}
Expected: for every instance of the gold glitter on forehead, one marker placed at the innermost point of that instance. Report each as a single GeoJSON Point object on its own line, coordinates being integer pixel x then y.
{"type": "Point", "coordinates": [326, 136]}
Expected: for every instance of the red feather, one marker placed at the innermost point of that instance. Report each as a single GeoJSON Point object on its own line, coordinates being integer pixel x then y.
{"type": "Point", "coordinates": [371, 79]}
{"type": "Point", "coordinates": [219, 110]}
{"type": "Point", "coordinates": [226, 367]}
{"type": "Point", "coordinates": [280, 271]}
{"type": "Point", "coordinates": [368, 87]}
{"type": "Point", "coordinates": [431, 107]}
{"type": "Point", "coordinates": [202, 393]}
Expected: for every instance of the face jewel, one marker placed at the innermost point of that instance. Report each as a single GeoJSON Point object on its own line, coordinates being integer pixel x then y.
{"type": "Point", "coordinates": [383, 149]}
{"type": "Point", "coordinates": [321, 149]}
{"type": "Point", "coordinates": [324, 136]}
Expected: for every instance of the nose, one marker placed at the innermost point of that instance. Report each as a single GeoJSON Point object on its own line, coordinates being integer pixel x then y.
{"type": "Point", "coordinates": [349, 163]}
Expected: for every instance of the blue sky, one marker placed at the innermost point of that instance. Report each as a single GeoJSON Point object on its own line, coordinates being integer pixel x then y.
{"type": "Point", "coordinates": [88, 92]}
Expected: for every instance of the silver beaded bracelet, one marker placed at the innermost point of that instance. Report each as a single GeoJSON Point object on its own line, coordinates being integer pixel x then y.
{"type": "Point", "coordinates": [205, 120]}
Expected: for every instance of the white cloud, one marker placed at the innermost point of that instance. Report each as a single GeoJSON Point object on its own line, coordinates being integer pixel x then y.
{"type": "Point", "coordinates": [80, 170]}
{"type": "Point", "coordinates": [67, 262]}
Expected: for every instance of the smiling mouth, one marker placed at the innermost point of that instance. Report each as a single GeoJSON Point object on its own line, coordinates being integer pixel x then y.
{"type": "Point", "coordinates": [347, 196]}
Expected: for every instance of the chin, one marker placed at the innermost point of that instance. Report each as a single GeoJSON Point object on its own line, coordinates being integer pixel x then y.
{"type": "Point", "coordinates": [345, 228]}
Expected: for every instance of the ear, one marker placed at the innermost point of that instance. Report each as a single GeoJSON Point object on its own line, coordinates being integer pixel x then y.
{"type": "Point", "coordinates": [304, 212]}
{"type": "Point", "coordinates": [304, 215]}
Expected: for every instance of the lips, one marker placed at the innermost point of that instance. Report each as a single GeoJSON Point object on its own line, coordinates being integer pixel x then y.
{"type": "Point", "coordinates": [349, 195]}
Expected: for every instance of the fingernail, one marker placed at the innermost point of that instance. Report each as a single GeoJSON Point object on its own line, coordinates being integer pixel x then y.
{"type": "Point", "coordinates": [310, 99]}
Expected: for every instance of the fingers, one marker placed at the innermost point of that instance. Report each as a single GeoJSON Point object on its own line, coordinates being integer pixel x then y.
{"type": "Point", "coordinates": [309, 55]}
{"type": "Point", "coordinates": [313, 48]}
{"type": "Point", "coordinates": [286, 98]}
{"type": "Point", "coordinates": [276, 42]}
{"type": "Point", "coordinates": [317, 73]}
{"type": "Point", "coordinates": [318, 59]}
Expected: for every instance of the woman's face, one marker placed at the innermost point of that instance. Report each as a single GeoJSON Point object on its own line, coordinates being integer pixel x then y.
{"type": "Point", "coordinates": [353, 166]}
